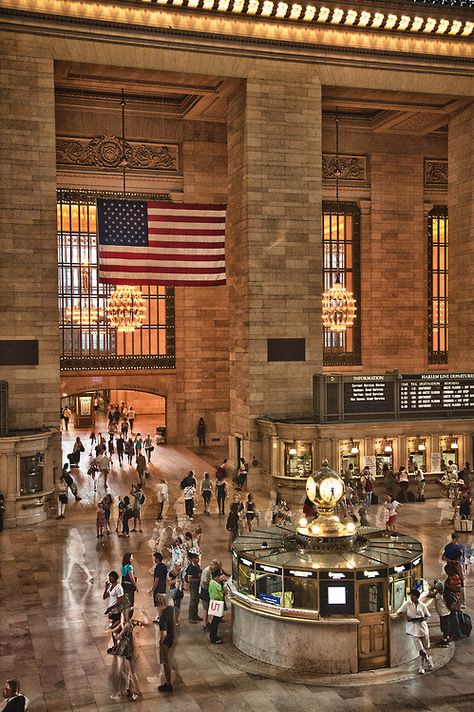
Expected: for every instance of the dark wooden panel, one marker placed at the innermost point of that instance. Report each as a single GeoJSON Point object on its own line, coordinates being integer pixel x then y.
{"type": "Point", "coordinates": [18, 353]}
{"type": "Point", "coordinates": [286, 350]}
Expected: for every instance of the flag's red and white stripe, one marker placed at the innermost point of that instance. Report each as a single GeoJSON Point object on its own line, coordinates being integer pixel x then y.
{"type": "Point", "coordinates": [185, 247]}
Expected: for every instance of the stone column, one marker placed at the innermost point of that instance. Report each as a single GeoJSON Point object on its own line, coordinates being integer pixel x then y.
{"type": "Point", "coordinates": [461, 240]}
{"type": "Point", "coordinates": [28, 265]}
{"type": "Point", "coordinates": [273, 242]}
{"type": "Point", "coordinates": [394, 291]}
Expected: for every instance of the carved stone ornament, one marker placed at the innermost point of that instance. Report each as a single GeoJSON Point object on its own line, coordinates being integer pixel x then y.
{"type": "Point", "coordinates": [351, 168]}
{"type": "Point", "coordinates": [436, 173]}
{"type": "Point", "coordinates": [112, 153]}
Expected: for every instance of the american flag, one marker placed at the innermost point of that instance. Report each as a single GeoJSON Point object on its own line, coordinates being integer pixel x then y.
{"type": "Point", "coordinates": [161, 243]}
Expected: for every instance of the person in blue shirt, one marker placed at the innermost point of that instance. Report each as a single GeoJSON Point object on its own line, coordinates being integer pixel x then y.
{"type": "Point", "coordinates": [454, 550]}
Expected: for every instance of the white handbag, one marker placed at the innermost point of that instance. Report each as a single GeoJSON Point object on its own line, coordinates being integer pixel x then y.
{"type": "Point", "coordinates": [216, 608]}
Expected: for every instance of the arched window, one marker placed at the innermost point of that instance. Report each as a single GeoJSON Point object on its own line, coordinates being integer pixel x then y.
{"type": "Point", "coordinates": [87, 339]}
{"type": "Point", "coordinates": [343, 259]}
{"type": "Point", "coordinates": [438, 284]}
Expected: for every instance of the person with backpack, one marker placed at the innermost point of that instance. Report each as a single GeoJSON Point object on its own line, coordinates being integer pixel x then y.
{"type": "Point", "coordinates": [129, 450]}
{"type": "Point", "coordinates": [221, 494]}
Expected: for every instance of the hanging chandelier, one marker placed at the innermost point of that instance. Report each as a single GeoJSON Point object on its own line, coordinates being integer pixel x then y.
{"type": "Point", "coordinates": [338, 303]}
{"type": "Point", "coordinates": [126, 309]}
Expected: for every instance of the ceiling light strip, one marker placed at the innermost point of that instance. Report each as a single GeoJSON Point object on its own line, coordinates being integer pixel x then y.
{"type": "Point", "coordinates": [324, 15]}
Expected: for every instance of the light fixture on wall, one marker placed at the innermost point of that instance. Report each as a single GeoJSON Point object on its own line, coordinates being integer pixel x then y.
{"type": "Point", "coordinates": [338, 303]}
{"type": "Point", "coordinates": [83, 312]}
{"type": "Point", "coordinates": [420, 444]}
{"type": "Point", "coordinates": [453, 442]}
{"type": "Point", "coordinates": [292, 450]}
{"type": "Point", "coordinates": [126, 307]}
{"type": "Point", "coordinates": [387, 446]}
{"type": "Point", "coordinates": [354, 447]}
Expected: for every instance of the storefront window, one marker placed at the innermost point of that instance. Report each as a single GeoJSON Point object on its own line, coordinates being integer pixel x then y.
{"type": "Point", "coordinates": [298, 459]}
{"type": "Point", "coordinates": [31, 474]}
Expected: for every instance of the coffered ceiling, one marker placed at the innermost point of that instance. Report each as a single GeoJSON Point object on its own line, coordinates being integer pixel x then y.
{"type": "Point", "coordinates": [204, 98]}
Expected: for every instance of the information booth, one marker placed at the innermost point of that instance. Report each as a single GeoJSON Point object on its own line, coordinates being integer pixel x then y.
{"type": "Point", "coordinates": [351, 596]}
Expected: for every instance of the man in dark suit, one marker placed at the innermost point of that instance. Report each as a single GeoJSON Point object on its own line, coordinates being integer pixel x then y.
{"type": "Point", "coordinates": [15, 701]}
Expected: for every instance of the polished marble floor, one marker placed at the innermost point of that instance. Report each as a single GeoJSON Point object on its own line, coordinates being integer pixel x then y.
{"type": "Point", "coordinates": [54, 635]}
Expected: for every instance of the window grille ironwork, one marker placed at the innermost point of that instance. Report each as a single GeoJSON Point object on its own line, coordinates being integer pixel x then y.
{"type": "Point", "coordinates": [438, 284]}
{"type": "Point", "coordinates": [87, 339]}
{"type": "Point", "coordinates": [342, 349]}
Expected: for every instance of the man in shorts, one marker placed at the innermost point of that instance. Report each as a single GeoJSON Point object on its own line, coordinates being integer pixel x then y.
{"type": "Point", "coordinates": [416, 615]}
{"type": "Point", "coordinates": [167, 636]}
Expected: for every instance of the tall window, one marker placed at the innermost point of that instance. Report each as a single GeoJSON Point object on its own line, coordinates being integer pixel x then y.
{"type": "Point", "coordinates": [343, 258]}
{"type": "Point", "coordinates": [438, 284]}
{"type": "Point", "coordinates": [87, 339]}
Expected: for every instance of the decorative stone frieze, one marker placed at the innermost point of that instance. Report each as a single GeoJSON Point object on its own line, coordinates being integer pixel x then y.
{"type": "Point", "coordinates": [351, 168]}
{"type": "Point", "coordinates": [110, 152]}
{"type": "Point", "coordinates": [436, 173]}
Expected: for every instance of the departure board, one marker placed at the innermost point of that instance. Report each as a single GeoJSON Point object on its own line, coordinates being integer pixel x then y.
{"type": "Point", "coordinates": [393, 396]}
{"type": "Point", "coordinates": [369, 394]}
{"type": "Point", "coordinates": [426, 394]}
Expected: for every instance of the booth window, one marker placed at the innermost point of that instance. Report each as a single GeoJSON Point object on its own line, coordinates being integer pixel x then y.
{"type": "Point", "coordinates": [302, 592]}
{"type": "Point", "coordinates": [438, 284]}
{"type": "Point", "coordinates": [342, 349]}
{"type": "Point", "coordinates": [87, 339]}
{"type": "Point", "coordinates": [31, 474]}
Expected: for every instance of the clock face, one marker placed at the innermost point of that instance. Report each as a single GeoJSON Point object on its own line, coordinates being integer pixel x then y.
{"type": "Point", "coordinates": [331, 490]}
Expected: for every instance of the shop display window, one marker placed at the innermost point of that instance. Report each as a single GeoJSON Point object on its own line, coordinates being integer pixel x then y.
{"type": "Point", "coordinates": [31, 474]}
{"type": "Point", "coordinates": [298, 459]}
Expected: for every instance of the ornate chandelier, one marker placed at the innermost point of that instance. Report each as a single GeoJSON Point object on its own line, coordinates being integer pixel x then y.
{"type": "Point", "coordinates": [126, 309]}
{"type": "Point", "coordinates": [338, 303]}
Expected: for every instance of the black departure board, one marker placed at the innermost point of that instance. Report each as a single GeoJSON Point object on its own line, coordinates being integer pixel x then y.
{"type": "Point", "coordinates": [393, 396]}
{"type": "Point", "coordinates": [425, 394]}
{"type": "Point", "coordinates": [369, 394]}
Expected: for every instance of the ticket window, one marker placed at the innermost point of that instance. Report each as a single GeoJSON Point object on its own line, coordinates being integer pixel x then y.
{"type": "Point", "coordinates": [269, 588]}
{"type": "Point", "coordinates": [298, 459]}
{"type": "Point", "coordinates": [416, 574]}
{"type": "Point", "coordinates": [417, 460]}
{"type": "Point", "coordinates": [381, 459]}
{"type": "Point", "coordinates": [245, 577]}
{"type": "Point", "coordinates": [347, 459]}
{"type": "Point", "coordinates": [450, 455]}
{"type": "Point", "coordinates": [399, 590]}
{"type": "Point", "coordinates": [371, 597]}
